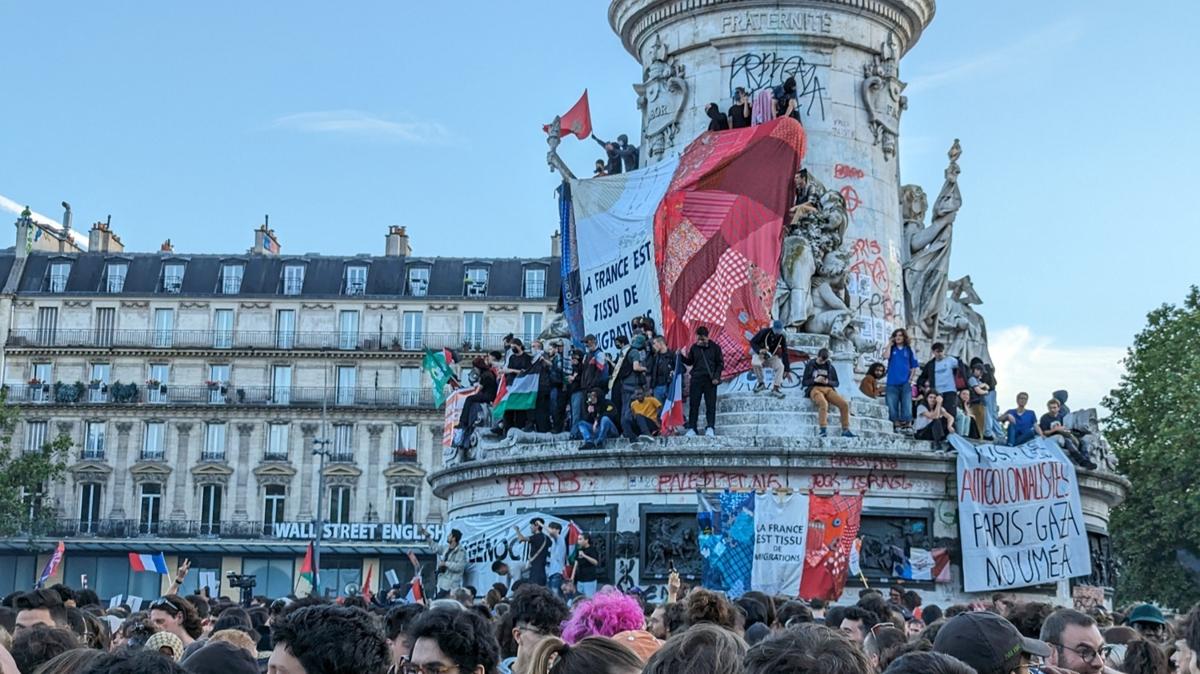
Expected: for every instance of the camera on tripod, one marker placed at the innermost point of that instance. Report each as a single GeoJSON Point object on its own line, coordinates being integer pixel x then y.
{"type": "Point", "coordinates": [244, 582]}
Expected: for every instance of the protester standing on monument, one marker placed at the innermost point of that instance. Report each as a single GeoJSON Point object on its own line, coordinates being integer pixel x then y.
{"type": "Point", "coordinates": [944, 373]}
{"type": "Point", "coordinates": [902, 367]}
{"type": "Point", "coordinates": [484, 394]}
{"type": "Point", "coordinates": [573, 391]}
{"type": "Point", "coordinates": [977, 400]}
{"type": "Point", "coordinates": [556, 559]}
{"type": "Point", "coordinates": [518, 362]}
{"type": "Point", "coordinates": [717, 119]}
{"type": "Point", "coordinates": [786, 103]}
{"type": "Point", "coordinates": [769, 349]}
{"type": "Point", "coordinates": [707, 363]}
{"type": "Point", "coordinates": [600, 170]}
{"type": "Point", "coordinates": [537, 548]}
{"type": "Point", "coordinates": [739, 112]}
{"type": "Point", "coordinates": [1022, 423]}
{"type": "Point", "coordinates": [660, 368]}
{"type": "Point", "coordinates": [820, 385]}
{"type": "Point", "coordinates": [451, 561]}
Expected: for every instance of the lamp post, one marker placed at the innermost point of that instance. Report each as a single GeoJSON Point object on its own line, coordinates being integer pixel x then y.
{"type": "Point", "coordinates": [321, 449]}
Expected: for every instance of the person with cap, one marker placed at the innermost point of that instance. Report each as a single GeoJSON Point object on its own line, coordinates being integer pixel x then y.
{"type": "Point", "coordinates": [707, 363]}
{"type": "Point", "coordinates": [1149, 622]}
{"type": "Point", "coordinates": [820, 383]}
{"type": "Point", "coordinates": [988, 643]}
{"type": "Point", "coordinates": [769, 350]}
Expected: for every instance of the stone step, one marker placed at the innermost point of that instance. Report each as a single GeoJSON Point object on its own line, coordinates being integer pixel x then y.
{"type": "Point", "coordinates": [765, 402]}
{"type": "Point", "coordinates": [759, 431]}
{"type": "Point", "coordinates": [792, 420]}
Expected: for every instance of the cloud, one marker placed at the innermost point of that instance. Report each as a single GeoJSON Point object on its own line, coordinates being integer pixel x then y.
{"type": "Point", "coordinates": [362, 124]}
{"type": "Point", "coordinates": [15, 208]}
{"type": "Point", "coordinates": [1033, 363]}
{"type": "Point", "coordinates": [1032, 47]}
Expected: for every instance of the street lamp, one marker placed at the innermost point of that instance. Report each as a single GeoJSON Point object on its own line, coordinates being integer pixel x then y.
{"type": "Point", "coordinates": [321, 449]}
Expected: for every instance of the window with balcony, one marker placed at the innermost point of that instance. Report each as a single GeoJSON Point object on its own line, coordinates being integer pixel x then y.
{"type": "Point", "coordinates": [172, 277]}
{"type": "Point", "coordinates": [414, 331]}
{"type": "Point", "coordinates": [154, 444]}
{"type": "Point", "coordinates": [472, 330]}
{"type": "Point", "coordinates": [47, 326]}
{"type": "Point", "coordinates": [56, 282]}
{"type": "Point", "coordinates": [223, 329]}
{"type": "Point", "coordinates": [35, 435]}
{"type": "Point", "coordinates": [535, 283]}
{"type": "Point", "coordinates": [32, 500]}
{"type": "Point", "coordinates": [164, 328]}
{"type": "Point", "coordinates": [277, 442]}
{"type": "Point", "coordinates": [343, 443]}
{"type": "Point", "coordinates": [214, 442]}
{"type": "Point", "coordinates": [89, 507]}
{"type": "Point", "coordinates": [98, 382]}
{"type": "Point", "coordinates": [231, 278]}
{"type": "Point", "coordinates": [531, 326]}
{"type": "Point", "coordinates": [106, 325]}
{"type": "Point", "coordinates": [348, 330]}
{"type": "Point", "coordinates": [281, 385]}
{"type": "Point", "coordinates": [410, 386]}
{"type": "Point", "coordinates": [151, 508]}
{"type": "Point", "coordinates": [41, 380]}
{"type": "Point", "coordinates": [114, 277]}
{"type": "Point", "coordinates": [356, 280]}
{"type": "Point", "coordinates": [339, 505]}
{"type": "Point", "coordinates": [156, 382]}
{"type": "Point", "coordinates": [293, 279]}
{"type": "Point", "coordinates": [404, 505]}
{"type": "Point", "coordinates": [405, 450]}
{"type": "Point", "coordinates": [93, 441]}
{"type": "Point", "coordinates": [285, 328]}
{"type": "Point", "coordinates": [418, 281]}
{"type": "Point", "coordinates": [218, 383]}
{"type": "Point", "coordinates": [347, 382]}
{"type": "Point", "coordinates": [274, 496]}
{"type": "Point", "coordinates": [211, 496]}
{"type": "Point", "coordinates": [476, 282]}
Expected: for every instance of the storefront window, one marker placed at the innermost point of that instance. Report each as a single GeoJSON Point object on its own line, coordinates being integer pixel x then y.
{"type": "Point", "coordinates": [273, 577]}
{"type": "Point", "coordinates": [338, 572]}
{"type": "Point", "coordinates": [17, 572]}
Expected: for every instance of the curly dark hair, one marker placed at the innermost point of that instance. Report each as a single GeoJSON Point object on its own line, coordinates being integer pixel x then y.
{"type": "Point", "coordinates": [178, 605]}
{"type": "Point", "coordinates": [928, 663]}
{"type": "Point", "coordinates": [539, 608]}
{"type": "Point", "coordinates": [333, 640]}
{"type": "Point", "coordinates": [794, 613]}
{"type": "Point", "coordinates": [766, 601]}
{"type": "Point", "coordinates": [128, 661]}
{"type": "Point", "coordinates": [890, 655]}
{"type": "Point", "coordinates": [703, 649]}
{"type": "Point", "coordinates": [36, 645]}
{"type": "Point", "coordinates": [1144, 657]}
{"type": "Point", "coordinates": [463, 636]}
{"type": "Point", "coordinates": [706, 606]}
{"type": "Point", "coordinates": [399, 618]}
{"type": "Point", "coordinates": [1028, 617]}
{"type": "Point", "coordinates": [807, 649]}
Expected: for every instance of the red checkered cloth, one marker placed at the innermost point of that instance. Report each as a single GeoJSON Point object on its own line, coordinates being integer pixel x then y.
{"type": "Point", "coordinates": [718, 231]}
{"type": "Point", "coordinates": [833, 525]}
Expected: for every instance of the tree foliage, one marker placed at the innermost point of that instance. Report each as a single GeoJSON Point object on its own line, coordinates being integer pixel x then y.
{"type": "Point", "coordinates": [1153, 428]}
{"type": "Point", "coordinates": [26, 477]}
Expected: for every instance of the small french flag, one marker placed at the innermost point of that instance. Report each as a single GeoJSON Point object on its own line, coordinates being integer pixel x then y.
{"type": "Point", "coordinates": [416, 592]}
{"type": "Point", "coordinates": [672, 411]}
{"type": "Point", "coordinates": [154, 563]}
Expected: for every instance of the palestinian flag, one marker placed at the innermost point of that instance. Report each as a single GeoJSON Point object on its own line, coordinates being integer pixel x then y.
{"type": "Point", "coordinates": [439, 365]}
{"type": "Point", "coordinates": [572, 550]}
{"type": "Point", "coordinates": [521, 395]}
{"type": "Point", "coordinates": [308, 570]}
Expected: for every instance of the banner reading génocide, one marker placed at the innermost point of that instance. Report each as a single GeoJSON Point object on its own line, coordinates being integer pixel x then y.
{"type": "Point", "coordinates": [780, 530]}
{"type": "Point", "coordinates": [614, 241]}
{"type": "Point", "coordinates": [489, 538]}
{"type": "Point", "coordinates": [1020, 521]}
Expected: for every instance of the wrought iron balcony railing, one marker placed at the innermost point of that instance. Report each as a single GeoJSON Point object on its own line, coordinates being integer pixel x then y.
{"type": "Point", "coordinates": [229, 395]}
{"type": "Point", "coordinates": [285, 340]}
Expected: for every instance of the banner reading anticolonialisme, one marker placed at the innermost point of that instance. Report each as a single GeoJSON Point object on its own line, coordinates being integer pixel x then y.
{"type": "Point", "coordinates": [491, 538]}
{"type": "Point", "coordinates": [780, 530]}
{"type": "Point", "coordinates": [1020, 520]}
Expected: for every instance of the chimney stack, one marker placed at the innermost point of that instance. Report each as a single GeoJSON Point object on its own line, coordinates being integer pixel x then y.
{"type": "Point", "coordinates": [397, 242]}
{"type": "Point", "coordinates": [101, 238]}
{"type": "Point", "coordinates": [166, 247]}
{"type": "Point", "coordinates": [555, 244]}
{"type": "Point", "coordinates": [25, 230]}
{"type": "Point", "coordinates": [265, 242]}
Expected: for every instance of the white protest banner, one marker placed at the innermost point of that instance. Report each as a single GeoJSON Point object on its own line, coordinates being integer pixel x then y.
{"type": "Point", "coordinates": [209, 579]}
{"type": "Point", "coordinates": [135, 603]}
{"type": "Point", "coordinates": [780, 529]}
{"type": "Point", "coordinates": [491, 538]}
{"type": "Point", "coordinates": [1020, 521]}
{"type": "Point", "coordinates": [614, 232]}
{"type": "Point", "coordinates": [393, 578]}
{"type": "Point", "coordinates": [115, 601]}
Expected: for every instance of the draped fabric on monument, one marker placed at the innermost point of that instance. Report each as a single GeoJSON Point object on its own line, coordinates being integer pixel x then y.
{"type": "Point", "coordinates": [833, 523]}
{"type": "Point", "coordinates": [569, 261]}
{"type": "Point", "coordinates": [718, 232]}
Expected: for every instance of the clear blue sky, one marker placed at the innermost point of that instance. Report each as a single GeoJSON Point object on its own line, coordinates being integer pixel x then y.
{"type": "Point", "coordinates": [192, 120]}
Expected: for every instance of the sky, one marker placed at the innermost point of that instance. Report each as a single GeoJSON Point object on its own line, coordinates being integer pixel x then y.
{"type": "Point", "coordinates": [190, 121]}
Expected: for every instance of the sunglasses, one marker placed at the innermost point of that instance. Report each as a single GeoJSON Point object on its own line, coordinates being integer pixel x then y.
{"type": "Point", "coordinates": [164, 605]}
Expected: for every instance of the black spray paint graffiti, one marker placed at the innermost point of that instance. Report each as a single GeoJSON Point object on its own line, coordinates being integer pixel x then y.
{"type": "Point", "coordinates": [757, 70]}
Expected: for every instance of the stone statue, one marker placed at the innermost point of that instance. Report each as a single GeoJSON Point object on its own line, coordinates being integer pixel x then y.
{"type": "Point", "coordinates": [881, 95]}
{"type": "Point", "coordinates": [929, 249]}
{"type": "Point", "coordinates": [553, 138]}
{"type": "Point", "coordinates": [662, 96]}
{"type": "Point", "coordinates": [817, 226]}
{"type": "Point", "coordinates": [556, 328]}
{"type": "Point", "coordinates": [963, 330]}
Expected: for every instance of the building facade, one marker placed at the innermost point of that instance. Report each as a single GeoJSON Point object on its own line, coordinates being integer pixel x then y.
{"type": "Point", "coordinates": [194, 389]}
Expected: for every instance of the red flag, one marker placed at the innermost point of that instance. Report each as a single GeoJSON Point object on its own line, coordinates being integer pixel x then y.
{"type": "Point", "coordinates": [833, 523]}
{"type": "Point", "coordinates": [308, 570]}
{"type": "Point", "coordinates": [577, 120]}
{"type": "Point", "coordinates": [366, 588]}
{"type": "Point", "coordinates": [416, 591]}
{"type": "Point", "coordinates": [501, 391]}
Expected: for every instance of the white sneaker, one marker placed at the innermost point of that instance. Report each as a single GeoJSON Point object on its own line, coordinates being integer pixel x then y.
{"type": "Point", "coordinates": [691, 433]}
{"type": "Point", "coordinates": [709, 433]}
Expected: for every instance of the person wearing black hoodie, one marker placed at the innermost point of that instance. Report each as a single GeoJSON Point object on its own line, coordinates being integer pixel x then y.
{"type": "Point", "coordinates": [485, 395]}
{"type": "Point", "coordinates": [739, 112]}
{"type": "Point", "coordinates": [717, 119]}
{"type": "Point", "coordinates": [707, 363]}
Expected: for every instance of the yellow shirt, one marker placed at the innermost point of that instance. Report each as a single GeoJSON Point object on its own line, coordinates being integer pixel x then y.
{"type": "Point", "coordinates": [648, 408]}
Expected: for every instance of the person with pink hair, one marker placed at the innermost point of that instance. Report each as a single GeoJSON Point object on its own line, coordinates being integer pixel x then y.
{"type": "Point", "coordinates": [609, 612]}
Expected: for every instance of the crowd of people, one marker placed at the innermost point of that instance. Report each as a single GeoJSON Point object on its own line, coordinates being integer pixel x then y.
{"type": "Point", "coordinates": [535, 630]}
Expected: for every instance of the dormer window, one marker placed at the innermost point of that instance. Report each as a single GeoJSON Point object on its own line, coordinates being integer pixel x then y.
{"type": "Point", "coordinates": [356, 280]}
{"type": "Point", "coordinates": [114, 277]}
{"type": "Point", "coordinates": [535, 283]}
{"type": "Point", "coordinates": [231, 279]}
{"type": "Point", "coordinates": [293, 279]}
{"type": "Point", "coordinates": [172, 277]}
{"type": "Point", "coordinates": [57, 281]}
{"type": "Point", "coordinates": [418, 281]}
{"type": "Point", "coordinates": [477, 282]}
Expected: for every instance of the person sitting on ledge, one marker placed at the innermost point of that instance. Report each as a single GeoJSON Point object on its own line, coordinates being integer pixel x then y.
{"type": "Point", "coordinates": [933, 422]}
{"type": "Point", "coordinates": [872, 384]}
{"type": "Point", "coordinates": [597, 424]}
{"type": "Point", "coordinates": [769, 349]}
{"type": "Point", "coordinates": [1022, 423]}
{"type": "Point", "coordinates": [645, 416]}
{"type": "Point", "coordinates": [1052, 426]}
{"type": "Point", "coordinates": [820, 384]}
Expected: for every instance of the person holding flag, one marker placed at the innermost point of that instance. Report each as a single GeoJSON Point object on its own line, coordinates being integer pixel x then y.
{"type": "Point", "coordinates": [440, 366]}
{"type": "Point", "coordinates": [51, 564]}
{"type": "Point", "coordinates": [485, 394]}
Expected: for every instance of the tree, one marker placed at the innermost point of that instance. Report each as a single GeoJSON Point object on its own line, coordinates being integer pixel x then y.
{"type": "Point", "coordinates": [1154, 430]}
{"type": "Point", "coordinates": [25, 477]}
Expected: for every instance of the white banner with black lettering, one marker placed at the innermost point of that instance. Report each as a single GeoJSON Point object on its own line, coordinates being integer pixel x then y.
{"type": "Point", "coordinates": [614, 232]}
{"type": "Point", "coordinates": [1019, 516]}
{"type": "Point", "coordinates": [491, 538]}
{"type": "Point", "coordinates": [780, 528]}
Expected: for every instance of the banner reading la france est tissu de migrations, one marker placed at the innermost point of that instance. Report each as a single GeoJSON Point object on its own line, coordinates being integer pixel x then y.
{"type": "Point", "coordinates": [1020, 520]}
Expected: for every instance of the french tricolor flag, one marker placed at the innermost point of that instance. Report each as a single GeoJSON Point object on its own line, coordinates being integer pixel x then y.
{"type": "Point", "coordinates": [154, 563]}
{"type": "Point", "coordinates": [672, 412]}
